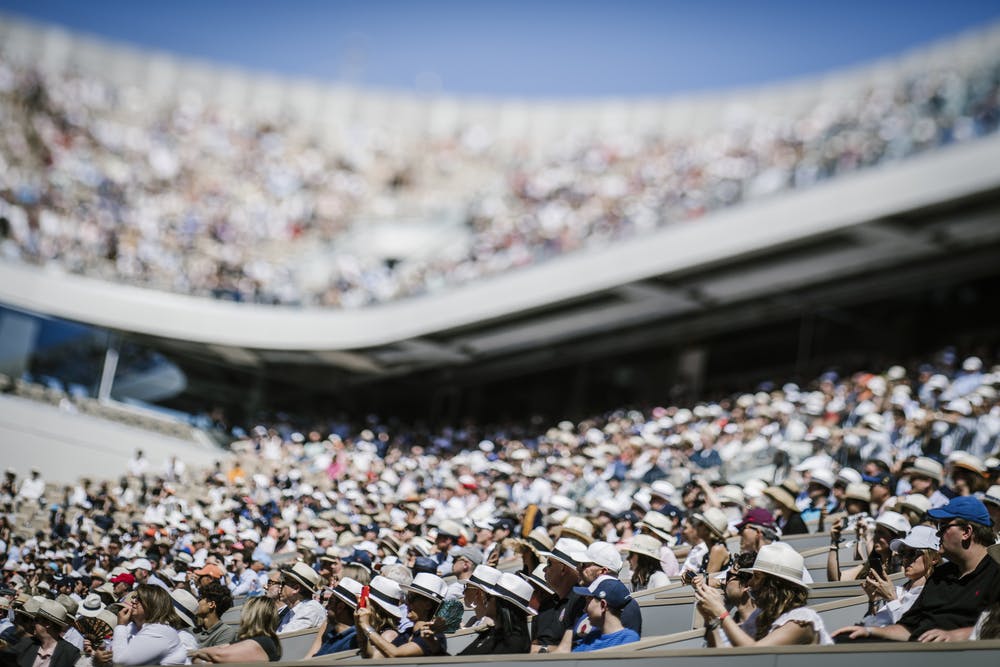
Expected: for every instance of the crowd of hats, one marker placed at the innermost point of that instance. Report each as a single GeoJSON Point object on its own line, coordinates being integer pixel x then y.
{"type": "Point", "coordinates": [380, 496]}
{"type": "Point", "coordinates": [190, 198]}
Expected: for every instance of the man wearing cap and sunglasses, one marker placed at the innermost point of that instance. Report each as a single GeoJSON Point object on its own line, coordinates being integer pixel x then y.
{"type": "Point", "coordinates": [957, 591]}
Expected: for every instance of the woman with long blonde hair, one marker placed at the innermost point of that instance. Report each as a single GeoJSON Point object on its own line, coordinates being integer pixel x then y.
{"type": "Point", "coordinates": [257, 639]}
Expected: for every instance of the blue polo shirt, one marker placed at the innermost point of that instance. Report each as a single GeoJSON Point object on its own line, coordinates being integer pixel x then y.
{"type": "Point", "coordinates": [595, 641]}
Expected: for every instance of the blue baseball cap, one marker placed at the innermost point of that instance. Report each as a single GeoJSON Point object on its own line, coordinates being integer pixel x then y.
{"type": "Point", "coordinates": [968, 508]}
{"type": "Point", "coordinates": [606, 588]}
{"type": "Point", "coordinates": [884, 479]}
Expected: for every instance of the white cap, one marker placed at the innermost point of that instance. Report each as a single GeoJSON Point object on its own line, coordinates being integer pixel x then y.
{"type": "Point", "coordinates": [894, 521]}
{"type": "Point", "coordinates": [919, 537]}
{"type": "Point", "coordinates": [604, 554]}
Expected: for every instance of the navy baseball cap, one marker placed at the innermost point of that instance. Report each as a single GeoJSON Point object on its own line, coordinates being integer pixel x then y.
{"type": "Point", "coordinates": [359, 557]}
{"type": "Point", "coordinates": [968, 508]}
{"type": "Point", "coordinates": [606, 588]}
{"type": "Point", "coordinates": [424, 564]}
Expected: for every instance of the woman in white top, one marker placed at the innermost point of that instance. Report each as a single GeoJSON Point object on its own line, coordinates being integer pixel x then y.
{"type": "Point", "coordinates": [918, 553]}
{"type": "Point", "coordinates": [644, 563]}
{"type": "Point", "coordinates": [143, 635]}
{"type": "Point", "coordinates": [781, 596]}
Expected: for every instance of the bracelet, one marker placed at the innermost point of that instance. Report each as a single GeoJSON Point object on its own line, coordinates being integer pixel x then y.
{"type": "Point", "coordinates": [723, 616]}
{"type": "Point", "coordinates": [834, 547]}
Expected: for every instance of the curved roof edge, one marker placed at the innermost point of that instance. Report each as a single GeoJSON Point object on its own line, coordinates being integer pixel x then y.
{"type": "Point", "coordinates": [947, 174]}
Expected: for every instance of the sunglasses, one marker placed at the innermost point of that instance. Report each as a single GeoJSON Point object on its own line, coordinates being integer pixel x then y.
{"type": "Point", "coordinates": [942, 529]}
{"type": "Point", "coordinates": [908, 555]}
{"type": "Point", "coordinates": [743, 577]}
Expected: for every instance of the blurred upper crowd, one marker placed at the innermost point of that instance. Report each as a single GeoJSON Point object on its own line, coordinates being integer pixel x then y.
{"type": "Point", "coordinates": [600, 510]}
{"type": "Point", "coordinates": [195, 199]}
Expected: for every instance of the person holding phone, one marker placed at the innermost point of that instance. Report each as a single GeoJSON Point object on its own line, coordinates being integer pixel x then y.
{"type": "Point", "coordinates": [783, 618]}
{"type": "Point", "coordinates": [887, 603]}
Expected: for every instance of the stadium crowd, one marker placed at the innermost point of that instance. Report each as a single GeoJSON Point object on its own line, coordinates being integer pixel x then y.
{"type": "Point", "coordinates": [195, 199]}
{"type": "Point", "coordinates": [386, 539]}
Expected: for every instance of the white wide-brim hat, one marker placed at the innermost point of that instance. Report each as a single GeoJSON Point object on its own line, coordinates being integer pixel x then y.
{"type": "Point", "coordinates": [779, 560]}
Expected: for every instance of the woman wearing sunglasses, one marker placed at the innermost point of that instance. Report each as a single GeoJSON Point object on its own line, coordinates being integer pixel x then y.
{"type": "Point", "coordinates": [783, 618]}
{"type": "Point", "coordinates": [918, 553]}
{"type": "Point", "coordinates": [739, 599]}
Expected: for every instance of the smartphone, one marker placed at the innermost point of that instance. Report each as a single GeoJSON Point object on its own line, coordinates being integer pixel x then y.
{"type": "Point", "coordinates": [875, 562]}
{"type": "Point", "coordinates": [363, 598]}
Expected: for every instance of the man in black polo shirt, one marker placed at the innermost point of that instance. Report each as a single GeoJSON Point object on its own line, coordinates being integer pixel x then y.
{"type": "Point", "coordinates": [958, 590]}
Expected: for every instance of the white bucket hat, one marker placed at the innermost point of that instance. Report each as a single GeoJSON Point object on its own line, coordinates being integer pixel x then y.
{"type": "Point", "coordinates": [537, 578]}
{"type": "Point", "coordinates": [568, 551]}
{"type": "Point", "coordinates": [348, 590]}
{"type": "Point", "coordinates": [304, 576]}
{"type": "Point", "coordinates": [577, 527]}
{"type": "Point", "coordinates": [484, 578]}
{"type": "Point", "coordinates": [779, 560]}
{"type": "Point", "coordinates": [605, 555]}
{"type": "Point", "coordinates": [185, 605]}
{"type": "Point", "coordinates": [715, 519]}
{"type": "Point", "coordinates": [646, 545]}
{"type": "Point", "coordinates": [387, 594]}
{"type": "Point", "coordinates": [894, 521]}
{"type": "Point", "coordinates": [515, 590]}
{"type": "Point", "coordinates": [925, 467]}
{"type": "Point", "coordinates": [429, 586]}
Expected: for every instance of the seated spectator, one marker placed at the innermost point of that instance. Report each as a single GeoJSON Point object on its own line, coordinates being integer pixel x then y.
{"type": "Point", "coordinates": [958, 591]}
{"type": "Point", "coordinates": [49, 648]}
{"type": "Point", "coordinates": [785, 509]}
{"type": "Point", "coordinates": [338, 632]}
{"type": "Point", "coordinates": [561, 574]}
{"type": "Point", "coordinates": [926, 477]}
{"type": "Point", "coordinates": [887, 527]}
{"type": "Point", "coordinates": [478, 590]}
{"type": "Point", "coordinates": [605, 599]}
{"type": "Point", "coordinates": [256, 640]}
{"type": "Point", "coordinates": [381, 616]}
{"type": "Point", "coordinates": [712, 527]}
{"type": "Point", "coordinates": [739, 599]}
{"type": "Point", "coordinates": [919, 555]}
{"type": "Point", "coordinates": [185, 618]}
{"type": "Point", "coordinates": [504, 618]}
{"type": "Point", "coordinates": [423, 598]}
{"type": "Point", "coordinates": [143, 635]}
{"type": "Point", "coordinates": [644, 563]}
{"type": "Point", "coordinates": [781, 595]}
{"type": "Point", "coordinates": [214, 600]}
{"type": "Point", "coordinates": [543, 595]}
{"type": "Point", "coordinates": [298, 585]}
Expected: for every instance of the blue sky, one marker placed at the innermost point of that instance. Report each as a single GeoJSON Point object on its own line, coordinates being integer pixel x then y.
{"type": "Point", "coordinates": [532, 49]}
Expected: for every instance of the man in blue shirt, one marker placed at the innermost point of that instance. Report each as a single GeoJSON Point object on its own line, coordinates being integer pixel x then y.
{"type": "Point", "coordinates": [340, 633]}
{"type": "Point", "coordinates": [606, 598]}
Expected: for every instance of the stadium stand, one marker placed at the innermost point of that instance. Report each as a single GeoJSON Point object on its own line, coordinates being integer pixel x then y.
{"type": "Point", "coordinates": [248, 195]}
{"type": "Point", "coordinates": [784, 517]}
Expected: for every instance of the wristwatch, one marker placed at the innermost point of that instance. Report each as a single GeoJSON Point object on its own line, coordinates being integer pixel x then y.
{"type": "Point", "coordinates": [714, 624]}
{"type": "Point", "coordinates": [543, 649]}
